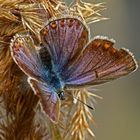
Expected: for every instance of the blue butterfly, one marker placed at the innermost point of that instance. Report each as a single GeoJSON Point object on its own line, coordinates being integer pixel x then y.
{"type": "Point", "coordinates": [66, 58]}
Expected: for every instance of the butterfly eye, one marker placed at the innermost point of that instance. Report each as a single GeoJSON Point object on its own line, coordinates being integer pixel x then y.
{"type": "Point", "coordinates": [61, 95]}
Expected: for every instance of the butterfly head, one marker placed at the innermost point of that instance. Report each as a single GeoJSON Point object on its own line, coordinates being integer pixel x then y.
{"type": "Point", "coordinates": [61, 94]}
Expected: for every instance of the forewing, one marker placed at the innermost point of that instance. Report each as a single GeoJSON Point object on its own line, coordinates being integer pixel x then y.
{"type": "Point", "coordinates": [64, 39]}
{"type": "Point", "coordinates": [49, 100]}
{"type": "Point", "coordinates": [99, 62]}
{"type": "Point", "coordinates": [24, 54]}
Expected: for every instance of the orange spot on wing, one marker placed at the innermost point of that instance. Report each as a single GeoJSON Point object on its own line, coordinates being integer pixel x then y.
{"type": "Point", "coordinates": [113, 50]}
{"type": "Point", "coordinates": [84, 34]}
{"type": "Point", "coordinates": [70, 22]}
{"type": "Point", "coordinates": [53, 25]}
{"type": "Point", "coordinates": [20, 40]}
{"type": "Point", "coordinates": [45, 31]}
{"type": "Point", "coordinates": [97, 43]}
{"type": "Point", "coordinates": [106, 46]}
{"type": "Point", "coordinates": [78, 24]}
{"type": "Point", "coordinates": [62, 21]}
{"type": "Point", "coordinates": [18, 43]}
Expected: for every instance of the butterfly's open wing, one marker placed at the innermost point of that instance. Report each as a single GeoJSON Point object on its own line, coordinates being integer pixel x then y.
{"type": "Point", "coordinates": [64, 38]}
{"type": "Point", "coordinates": [49, 100]}
{"type": "Point", "coordinates": [98, 63]}
{"type": "Point", "coordinates": [24, 54]}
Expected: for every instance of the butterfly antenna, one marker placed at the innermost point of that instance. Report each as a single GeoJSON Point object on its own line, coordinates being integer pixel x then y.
{"type": "Point", "coordinates": [80, 101]}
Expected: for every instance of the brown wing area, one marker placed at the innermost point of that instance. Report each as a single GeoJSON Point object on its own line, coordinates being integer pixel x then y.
{"type": "Point", "coordinates": [64, 38]}
{"type": "Point", "coordinates": [99, 62]}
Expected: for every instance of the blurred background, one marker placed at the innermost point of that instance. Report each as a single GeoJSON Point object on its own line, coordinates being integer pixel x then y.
{"type": "Point", "coordinates": [118, 114]}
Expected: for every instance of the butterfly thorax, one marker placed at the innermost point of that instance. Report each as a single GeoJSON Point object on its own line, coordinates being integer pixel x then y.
{"type": "Point", "coordinates": [51, 76]}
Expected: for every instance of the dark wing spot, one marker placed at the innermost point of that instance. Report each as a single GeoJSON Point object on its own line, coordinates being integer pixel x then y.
{"type": "Point", "coordinates": [96, 74]}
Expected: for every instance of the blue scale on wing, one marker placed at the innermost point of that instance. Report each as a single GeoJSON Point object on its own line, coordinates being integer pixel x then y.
{"type": "Point", "coordinates": [64, 38]}
{"type": "Point", "coordinates": [52, 77]}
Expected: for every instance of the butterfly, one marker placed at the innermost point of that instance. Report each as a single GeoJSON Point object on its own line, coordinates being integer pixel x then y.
{"type": "Point", "coordinates": [68, 58]}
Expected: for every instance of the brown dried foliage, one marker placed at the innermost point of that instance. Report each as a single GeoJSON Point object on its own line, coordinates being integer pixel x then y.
{"type": "Point", "coordinates": [20, 116]}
